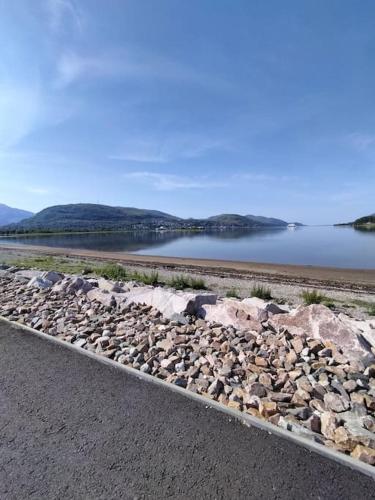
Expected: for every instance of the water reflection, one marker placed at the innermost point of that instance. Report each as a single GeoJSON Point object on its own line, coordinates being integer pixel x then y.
{"type": "Point", "coordinates": [366, 229]}
{"type": "Point", "coordinates": [321, 246]}
{"type": "Point", "coordinates": [135, 241]}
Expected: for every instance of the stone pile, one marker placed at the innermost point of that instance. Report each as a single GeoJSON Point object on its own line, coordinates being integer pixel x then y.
{"type": "Point", "coordinates": [279, 366]}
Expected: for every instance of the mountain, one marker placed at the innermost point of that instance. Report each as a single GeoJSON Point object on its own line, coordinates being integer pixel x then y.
{"type": "Point", "coordinates": [8, 215]}
{"type": "Point", "coordinates": [92, 217]}
{"type": "Point", "coordinates": [85, 217]}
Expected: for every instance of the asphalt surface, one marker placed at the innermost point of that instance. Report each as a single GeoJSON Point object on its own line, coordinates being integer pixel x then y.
{"type": "Point", "coordinates": [71, 427]}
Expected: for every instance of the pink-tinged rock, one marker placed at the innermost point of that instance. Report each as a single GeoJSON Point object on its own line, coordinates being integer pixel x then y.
{"type": "Point", "coordinates": [169, 302]}
{"type": "Point", "coordinates": [231, 312]}
{"type": "Point", "coordinates": [102, 296]}
{"type": "Point", "coordinates": [319, 322]}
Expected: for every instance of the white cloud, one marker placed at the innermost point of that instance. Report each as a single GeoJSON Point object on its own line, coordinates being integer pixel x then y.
{"type": "Point", "coordinates": [170, 182]}
{"type": "Point", "coordinates": [63, 13]}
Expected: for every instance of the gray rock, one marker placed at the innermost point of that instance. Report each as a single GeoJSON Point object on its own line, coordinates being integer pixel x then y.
{"type": "Point", "coordinates": [52, 276]}
{"type": "Point", "coordinates": [335, 402]}
{"type": "Point", "coordinates": [145, 368]}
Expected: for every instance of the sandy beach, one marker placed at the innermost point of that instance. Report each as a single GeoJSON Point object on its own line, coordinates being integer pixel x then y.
{"type": "Point", "coordinates": [327, 278]}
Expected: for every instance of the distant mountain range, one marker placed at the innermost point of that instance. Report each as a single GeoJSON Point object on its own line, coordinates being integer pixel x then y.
{"type": "Point", "coordinates": [8, 215]}
{"type": "Point", "coordinates": [362, 221]}
{"type": "Point", "coordinates": [92, 217]}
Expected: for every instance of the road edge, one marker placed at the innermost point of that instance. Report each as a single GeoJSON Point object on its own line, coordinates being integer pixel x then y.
{"type": "Point", "coordinates": [245, 419]}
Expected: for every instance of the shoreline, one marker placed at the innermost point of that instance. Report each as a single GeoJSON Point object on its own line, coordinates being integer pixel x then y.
{"type": "Point", "coordinates": [326, 277]}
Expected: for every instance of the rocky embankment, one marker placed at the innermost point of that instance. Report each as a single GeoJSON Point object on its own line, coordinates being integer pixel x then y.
{"type": "Point", "coordinates": [307, 370]}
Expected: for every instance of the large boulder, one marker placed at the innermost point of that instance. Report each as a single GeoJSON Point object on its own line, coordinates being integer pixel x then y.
{"type": "Point", "coordinates": [168, 302]}
{"type": "Point", "coordinates": [103, 296]}
{"type": "Point", "coordinates": [230, 312]}
{"type": "Point", "coordinates": [319, 322]}
{"type": "Point", "coordinates": [72, 285]}
{"type": "Point", "coordinates": [27, 274]}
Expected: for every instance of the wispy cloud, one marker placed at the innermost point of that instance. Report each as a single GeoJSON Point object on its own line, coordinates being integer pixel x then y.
{"type": "Point", "coordinates": [164, 149]}
{"type": "Point", "coordinates": [261, 177]}
{"type": "Point", "coordinates": [131, 63]}
{"type": "Point", "coordinates": [20, 110]}
{"type": "Point", "coordinates": [361, 141]}
{"type": "Point", "coordinates": [166, 182]}
{"type": "Point", "coordinates": [37, 190]}
{"type": "Point", "coordinates": [170, 182]}
{"type": "Point", "coordinates": [63, 13]}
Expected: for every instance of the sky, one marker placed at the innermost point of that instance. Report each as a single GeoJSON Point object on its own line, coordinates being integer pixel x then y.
{"type": "Point", "coordinates": [194, 108]}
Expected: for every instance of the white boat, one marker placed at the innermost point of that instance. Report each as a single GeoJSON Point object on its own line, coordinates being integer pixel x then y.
{"type": "Point", "coordinates": [292, 224]}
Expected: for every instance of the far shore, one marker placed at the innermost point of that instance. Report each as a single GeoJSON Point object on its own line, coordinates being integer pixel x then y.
{"type": "Point", "coordinates": [327, 277]}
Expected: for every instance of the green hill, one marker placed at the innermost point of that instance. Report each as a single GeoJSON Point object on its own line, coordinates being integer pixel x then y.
{"type": "Point", "coordinates": [369, 219]}
{"type": "Point", "coordinates": [92, 217]}
{"type": "Point", "coordinates": [230, 220]}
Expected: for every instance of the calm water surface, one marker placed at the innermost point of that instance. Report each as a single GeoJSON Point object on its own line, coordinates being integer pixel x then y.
{"type": "Point", "coordinates": [318, 246]}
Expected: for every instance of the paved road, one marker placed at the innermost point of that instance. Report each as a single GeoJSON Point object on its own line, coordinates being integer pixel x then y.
{"type": "Point", "coordinates": [71, 427]}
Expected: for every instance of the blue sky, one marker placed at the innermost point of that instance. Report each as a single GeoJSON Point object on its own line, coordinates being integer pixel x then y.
{"type": "Point", "coordinates": [192, 107]}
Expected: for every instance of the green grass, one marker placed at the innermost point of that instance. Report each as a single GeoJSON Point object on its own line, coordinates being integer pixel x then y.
{"type": "Point", "coordinates": [232, 293]}
{"type": "Point", "coordinates": [198, 284]}
{"type": "Point", "coordinates": [261, 292]}
{"type": "Point", "coordinates": [113, 272]}
{"type": "Point", "coordinates": [146, 278]}
{"type": "Point", "coordinates": [371, 309]}
{"type": "Point", "coordinates": [181, 282]}
{"type": "Point", "coordinates": [315, 297]}
{"type": "Point", "coordinates": [48, 263]}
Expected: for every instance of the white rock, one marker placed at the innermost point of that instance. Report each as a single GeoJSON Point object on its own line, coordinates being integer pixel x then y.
{"type": "Point", "coordinates": [169, 302]}
{"type": "Point", "coordinates": [39, 282]}
{"type": "Point", "coordinates": [28, 274]}
{"type": "Point", "coordinates": [262, 305]}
